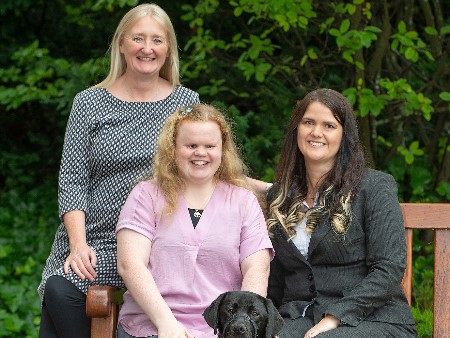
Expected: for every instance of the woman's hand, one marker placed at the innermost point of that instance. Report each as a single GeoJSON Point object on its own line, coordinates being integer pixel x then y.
{"type": "Point", "coordinates": [327, 323]}
{"type": "Point", "coordinates": [83, 261]}
{"type": "Point", "coordinates": [173, 329]}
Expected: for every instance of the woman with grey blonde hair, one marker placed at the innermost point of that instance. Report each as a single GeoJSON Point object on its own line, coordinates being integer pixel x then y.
{"type": "Point", "coordinates": [170, 69]}
{"type": "Point", "coordinates": [109, 144]}
{"type": "Point", "coordinates": [190, 232]}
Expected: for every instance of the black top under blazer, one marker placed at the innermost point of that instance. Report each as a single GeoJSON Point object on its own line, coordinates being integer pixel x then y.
{"type": "Point", "coordinates": [354, 278]}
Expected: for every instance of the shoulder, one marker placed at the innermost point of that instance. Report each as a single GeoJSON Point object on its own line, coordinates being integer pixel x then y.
{"type": "Point", "coordinates": [181, 91]}
{"type": "Point", "coordinates": [236, 194]}
{"type": "Point", "coordinates": [377, 188]}
{"type": "Point", "coordinates": [90, 93]}
{"type": "Point", "coordinates": [148, 187]}
{"type": "Point", "coordinates": [376, 178]}
{"type": "Point", "coordinates": [235, 191]}
{"type": "Point", "coordinates": [90, 99]}
{"type": "Point", "coordinates": [87, 102]}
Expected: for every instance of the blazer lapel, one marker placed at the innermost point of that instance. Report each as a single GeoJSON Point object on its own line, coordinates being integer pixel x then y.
{"type": "Point", "coordinates": [318, 234]}
{"type": "Point", "coordinates": [290, 246]}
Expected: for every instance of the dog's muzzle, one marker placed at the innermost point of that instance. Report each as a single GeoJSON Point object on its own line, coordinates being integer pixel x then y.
{"type": "Point", "coordinates": [241, 315]}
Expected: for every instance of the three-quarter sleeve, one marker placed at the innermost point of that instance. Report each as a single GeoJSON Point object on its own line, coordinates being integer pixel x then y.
{"type": "Point", "coordinates": [74, 168]}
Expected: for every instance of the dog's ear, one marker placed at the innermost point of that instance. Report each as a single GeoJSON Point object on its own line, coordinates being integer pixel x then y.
{"type": "Point", "coordinates": [211, 313]}
{"type": "Point", "coordinates": [274, 321]}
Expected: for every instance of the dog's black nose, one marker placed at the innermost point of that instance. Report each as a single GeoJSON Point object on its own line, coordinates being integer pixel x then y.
{"type": "Point", "coordinates": [239, 328]}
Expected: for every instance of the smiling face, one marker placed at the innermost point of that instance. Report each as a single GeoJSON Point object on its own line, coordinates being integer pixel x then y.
{"type": "Point", "coordinates": [145, 46]}
{"type": "Point", "coordinates": [319, 135]}
{"type": "Point", "coordinates": [198, 151]}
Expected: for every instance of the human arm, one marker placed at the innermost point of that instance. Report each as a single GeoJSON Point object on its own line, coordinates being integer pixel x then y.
{"type": "Point", "coordinates": [258, 186]}
{"type": "Point", "coordinates": [256, 249]}
{"type": "Point", "coordinates": [82, 258]}
{"type": "Point", "coordinates": [255, 271]}
{"type": "Point", "coordinates": [370, 274]}
{"type": "Point", "coordinates": [73, 189]}
{"type": "Point", "coordinates": [133, 254]}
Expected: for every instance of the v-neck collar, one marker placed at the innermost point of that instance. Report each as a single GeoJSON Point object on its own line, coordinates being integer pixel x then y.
{"type": "Point", "coordinates": [197, 234]}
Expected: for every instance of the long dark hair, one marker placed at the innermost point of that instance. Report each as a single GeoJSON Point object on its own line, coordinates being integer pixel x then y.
{"type": "Point", "coordinates": [337, 187]}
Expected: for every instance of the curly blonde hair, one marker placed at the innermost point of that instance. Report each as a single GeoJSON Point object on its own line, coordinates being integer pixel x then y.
{"type": "Point", "coordinates": [165, 172]}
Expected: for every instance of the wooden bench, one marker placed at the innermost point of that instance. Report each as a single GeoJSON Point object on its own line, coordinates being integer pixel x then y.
{"type": "Point", "coordinates": [103, 302]}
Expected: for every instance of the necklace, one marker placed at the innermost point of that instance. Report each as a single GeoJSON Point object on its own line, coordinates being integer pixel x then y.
{"type": "Point", "coordinates": [199, 211]}
{"type": "Point", "coordinates": [153, 98]}
{"type": "Point", "coordinates": [312, 192]}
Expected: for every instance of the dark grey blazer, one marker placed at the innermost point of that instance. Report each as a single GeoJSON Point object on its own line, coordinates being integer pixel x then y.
{"type": "Point", "coordinates": [356, 278]}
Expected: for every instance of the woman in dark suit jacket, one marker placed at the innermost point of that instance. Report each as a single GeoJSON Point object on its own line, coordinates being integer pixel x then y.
{"type": "Point", "coordinates": [337, 230]}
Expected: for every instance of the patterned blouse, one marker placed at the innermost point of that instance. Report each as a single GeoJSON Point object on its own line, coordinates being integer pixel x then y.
{"type": "Point", "coordinates": [109, 144]}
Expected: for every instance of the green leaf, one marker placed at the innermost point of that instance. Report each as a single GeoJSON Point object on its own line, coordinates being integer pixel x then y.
{"type": "Point", "coordinates": [412, 35]}
{"type": "Point", "coordinates": [359, 65]}
{"type": "Point", "coordinates": [312, 54]}
{"type": "Point", "coordinates": [373, 29]}
{"type": "Point", "coordinates": [443, 189]}
{"type": "Point", "coordinates": [414, 148]}
{"type": "Point", "coordinates": [402, 27]}
{"type": "Point", "coordinates": [345, 25]}
{"type": "Point", "coordinates": [5, 250]}
{"type": "Point", "coordinates": [334, 32]}
{"type": "Point", "coordinates": [428, 55]}
{"type": "Point", "coordinates": [348, 55]}
{"type": "Point", "coordinates": [431, 31]}
{"type": "Point", "coordinates": [350, 93]}
{"type": "Point", "coordinates": [411, 54]}
{"type": "Point", "coordinates": [445, 30]}
{"type": "Point", "coordinates": [445, 96]}
{"type": "Point", "coordinates": [303, 60]}
{"type": "Point", "coordinates": [351, 9]}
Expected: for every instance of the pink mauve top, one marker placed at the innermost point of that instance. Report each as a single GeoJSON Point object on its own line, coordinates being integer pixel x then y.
{"type": "Point", "coordinates": [191, 267]}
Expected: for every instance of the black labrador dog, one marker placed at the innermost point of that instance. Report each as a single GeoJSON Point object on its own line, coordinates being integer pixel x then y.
{"type": "Point", "coordinates": [243, 314]}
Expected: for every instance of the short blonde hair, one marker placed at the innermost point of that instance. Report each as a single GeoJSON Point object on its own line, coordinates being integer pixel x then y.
{"type": "Point", "coordinates": [169, 71]}
{"type": "Point", "coordinates": [165, 172]}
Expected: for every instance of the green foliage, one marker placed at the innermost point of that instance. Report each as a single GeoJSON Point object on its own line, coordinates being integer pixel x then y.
{"type": "Point", "coordinates": [423, 284]}
{"type": "Point", "coordinates": [28, 222]}
{"type": "Point", "coordinates": [424, 322]}
{"type": "Point", "coordinates": [36, 76]}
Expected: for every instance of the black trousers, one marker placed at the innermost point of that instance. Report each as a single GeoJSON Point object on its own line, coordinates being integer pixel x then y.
{"type": "Point", "coordinates": [297, 328]}
{"type": "Point", "coordinates": [63, 311]}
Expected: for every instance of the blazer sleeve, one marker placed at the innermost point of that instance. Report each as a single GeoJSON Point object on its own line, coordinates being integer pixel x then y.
{"type": "Point", "coordinates": [385, 252]}
{"type": "Point", "coordinates": [276, 287]}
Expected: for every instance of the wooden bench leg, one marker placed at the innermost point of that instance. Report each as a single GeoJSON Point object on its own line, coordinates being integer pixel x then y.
{"type": "Point", "coordinates": [103, 311]}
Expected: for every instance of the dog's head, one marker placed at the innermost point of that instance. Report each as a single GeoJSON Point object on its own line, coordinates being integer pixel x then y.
{"type": "Point", "coordinates": [243, 314]}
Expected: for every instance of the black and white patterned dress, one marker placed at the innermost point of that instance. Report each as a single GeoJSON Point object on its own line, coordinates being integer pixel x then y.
{"type": "Point", "coordinates": [108, 146]}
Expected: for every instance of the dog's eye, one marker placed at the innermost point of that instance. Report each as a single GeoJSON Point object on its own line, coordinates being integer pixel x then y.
{"type": "Point", "coordinates": [230, 310]}
{"type": "Point", "coordinates": [254, 313]}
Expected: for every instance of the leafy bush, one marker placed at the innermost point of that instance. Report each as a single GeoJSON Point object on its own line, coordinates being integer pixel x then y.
{"type": "Point", "coordinates": [29, 220]}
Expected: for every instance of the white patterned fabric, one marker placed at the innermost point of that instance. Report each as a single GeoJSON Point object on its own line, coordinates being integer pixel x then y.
{"type": "Point", "coordinates": [108, 146]}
